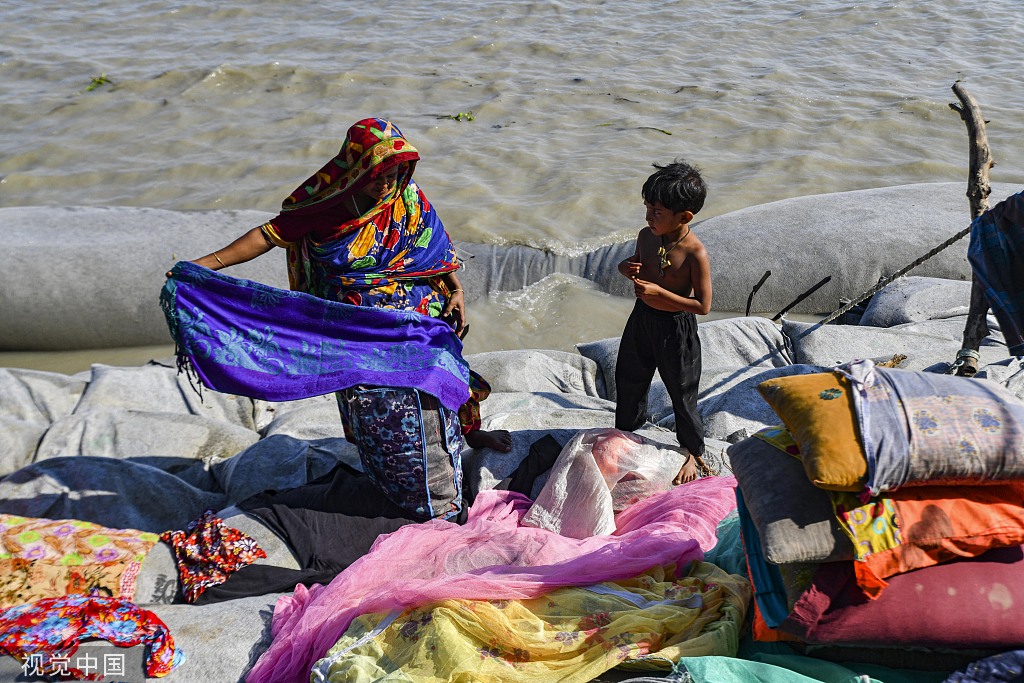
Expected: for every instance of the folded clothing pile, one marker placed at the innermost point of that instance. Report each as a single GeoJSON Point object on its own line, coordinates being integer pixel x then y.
{"type": "Point", "coordinates": [888, 512]}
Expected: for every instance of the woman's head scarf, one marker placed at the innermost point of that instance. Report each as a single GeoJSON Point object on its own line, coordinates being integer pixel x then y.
{"type": "Point", "coordinates": [371, 147]}
{"type": "Point", "coordinates": [391, 255]}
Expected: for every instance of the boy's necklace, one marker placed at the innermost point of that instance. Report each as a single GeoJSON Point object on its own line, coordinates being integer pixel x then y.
{"type": "Point", "coordinates": [663, 251]}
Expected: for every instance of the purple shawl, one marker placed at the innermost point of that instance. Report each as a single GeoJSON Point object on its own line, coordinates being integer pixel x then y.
{"type": "Point", "coordinates": [249, 339]}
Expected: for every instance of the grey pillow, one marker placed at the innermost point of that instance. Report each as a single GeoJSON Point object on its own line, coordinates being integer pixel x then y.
{"type": "Point", "coordinates": [793, 517]}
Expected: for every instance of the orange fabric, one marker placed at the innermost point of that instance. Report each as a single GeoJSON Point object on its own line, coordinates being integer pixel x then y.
{"type": "Point", "coordinates": [818, 411]}
{"type": "Point", "coordinates": [868, 580]}
{"type": "Point", "coordinates": [942, 523]}
{"type": "Point", "coordinates": [765, 634]}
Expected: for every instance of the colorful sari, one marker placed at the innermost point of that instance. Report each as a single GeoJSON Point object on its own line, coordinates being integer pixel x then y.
{"type": "Point", "coordinates": [390, 256]}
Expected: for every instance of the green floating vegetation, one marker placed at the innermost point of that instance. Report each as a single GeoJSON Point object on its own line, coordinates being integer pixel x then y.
{"type": "Point", "coordinates": [461, 116]}
{"type": "Point", "coordinates": [97, 81]}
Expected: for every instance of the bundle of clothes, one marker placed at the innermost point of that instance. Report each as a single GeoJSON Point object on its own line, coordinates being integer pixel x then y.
{"type": "Point", "coordinates": [886, 513]}
{"type": "Point", "coordinates": [63, 582]}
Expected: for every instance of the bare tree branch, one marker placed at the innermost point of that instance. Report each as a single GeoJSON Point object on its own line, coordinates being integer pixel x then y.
{"type": "Point", "coordinates": [978, 190]}
{"type": "Point", "coordinates": [978, 187]}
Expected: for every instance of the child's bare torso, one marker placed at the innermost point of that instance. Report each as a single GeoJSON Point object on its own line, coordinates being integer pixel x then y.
{"type": "Point", "coordinates": [677, 274]}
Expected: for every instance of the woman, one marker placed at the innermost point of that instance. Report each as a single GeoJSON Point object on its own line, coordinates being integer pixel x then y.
{"type": "Point", "coordinates": [361, 232]}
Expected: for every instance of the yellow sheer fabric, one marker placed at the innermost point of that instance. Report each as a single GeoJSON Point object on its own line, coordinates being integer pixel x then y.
{"type": "Point", "coordinates": [571, 634]}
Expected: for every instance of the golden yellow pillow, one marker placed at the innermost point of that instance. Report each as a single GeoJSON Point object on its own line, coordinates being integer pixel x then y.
{"type": "Point", "coordinates": [818, 411]}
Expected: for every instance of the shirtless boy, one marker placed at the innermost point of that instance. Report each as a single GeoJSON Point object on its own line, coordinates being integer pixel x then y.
{"type": "Point", "coordinates": [672, 280]}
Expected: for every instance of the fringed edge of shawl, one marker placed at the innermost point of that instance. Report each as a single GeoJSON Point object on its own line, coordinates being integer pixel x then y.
{"type": "Point", "coordinates": [183, 361]}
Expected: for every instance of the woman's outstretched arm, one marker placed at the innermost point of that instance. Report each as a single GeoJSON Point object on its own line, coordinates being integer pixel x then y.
{"type": "Point", "coordinates": [247, 247]}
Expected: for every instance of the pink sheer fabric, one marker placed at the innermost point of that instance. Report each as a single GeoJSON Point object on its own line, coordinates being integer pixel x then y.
{"type": "Point", "coordinates": [489, 557]}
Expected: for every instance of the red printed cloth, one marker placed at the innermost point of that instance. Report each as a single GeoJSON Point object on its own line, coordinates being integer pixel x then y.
{"type": "Point", "coordinates": [45, 634]}
{"type": "Point", "coordinates": [208, 552]}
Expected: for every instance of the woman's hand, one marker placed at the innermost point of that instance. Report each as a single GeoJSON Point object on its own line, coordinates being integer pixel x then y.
{"type": "Point", "coordinates": [454, 312]}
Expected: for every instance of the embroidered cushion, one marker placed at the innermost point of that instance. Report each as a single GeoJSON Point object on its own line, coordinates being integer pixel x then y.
{"type": "Point", "coordinates": [818, 411]}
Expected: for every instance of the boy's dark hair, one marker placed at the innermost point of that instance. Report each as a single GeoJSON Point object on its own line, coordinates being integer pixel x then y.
{"type": "Point", "coordinates": [677, 186]}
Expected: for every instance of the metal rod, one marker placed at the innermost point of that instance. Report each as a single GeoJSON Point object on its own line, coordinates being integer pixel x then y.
{"type": "Point", "coordinates": [800, 298]}
{"type": "Point", "coordinates": [760, 282]}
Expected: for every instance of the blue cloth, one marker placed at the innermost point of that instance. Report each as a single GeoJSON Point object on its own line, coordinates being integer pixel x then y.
{"type": "Point", "coordinates": [1005, 667]}
{"type": "Point", "coordinates": [249, 339]}
{"type": "Point", "coordinates": [769, 587]}
{"type": "Point", "coordinates": [996, 253]}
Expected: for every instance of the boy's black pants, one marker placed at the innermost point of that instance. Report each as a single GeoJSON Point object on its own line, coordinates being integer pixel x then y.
{"type": "Point", "coordinates": [666, 342]}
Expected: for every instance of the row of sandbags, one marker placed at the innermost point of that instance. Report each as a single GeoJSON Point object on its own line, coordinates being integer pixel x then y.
{"type": "Point", "coordinates": [150, 426]}
{"type": "Point", "coordinates": [798, 239]}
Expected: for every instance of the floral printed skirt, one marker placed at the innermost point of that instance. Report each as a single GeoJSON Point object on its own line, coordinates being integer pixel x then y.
{"type": "Point", "coordinates": [410, 446]}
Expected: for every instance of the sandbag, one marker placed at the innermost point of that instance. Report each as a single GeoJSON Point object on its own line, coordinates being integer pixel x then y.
{"type": "Point", "coordinates": [161, 389]}
{"type": "Point", "coordinates": [913, 298]}
{"type": "Point", "coordinates": [19, 440]}
{"type": "Point", "coordinates": [534, 370]}
{"type": "Point", "coordinates": [919, 346]}
{"type": "Point", "coordinates": [803, 237]}
{"type": "Point", "coordinates": [30, 401]}
{"type": "Point", "coordinates": [37, 396]}
{"type": "Point", "coordinates": [311, 419]}
{"type": "Point", "coordinates": [117, 433]}
{"type": "Point", "coordinates": [116, 493]}
{"type": "Point", "coordinates": [855, 237]}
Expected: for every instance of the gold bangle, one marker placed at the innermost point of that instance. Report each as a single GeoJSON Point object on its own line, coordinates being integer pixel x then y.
{"type": "Point", "coordinates": [218, 260]}
{"type": "Point", "coordinates": [457, 290]}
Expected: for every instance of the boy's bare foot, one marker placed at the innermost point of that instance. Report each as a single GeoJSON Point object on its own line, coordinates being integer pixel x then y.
{"type": "Point", "coordinates": [499, 440]}
{"type": "Point", "coordinates": [688, 472]}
